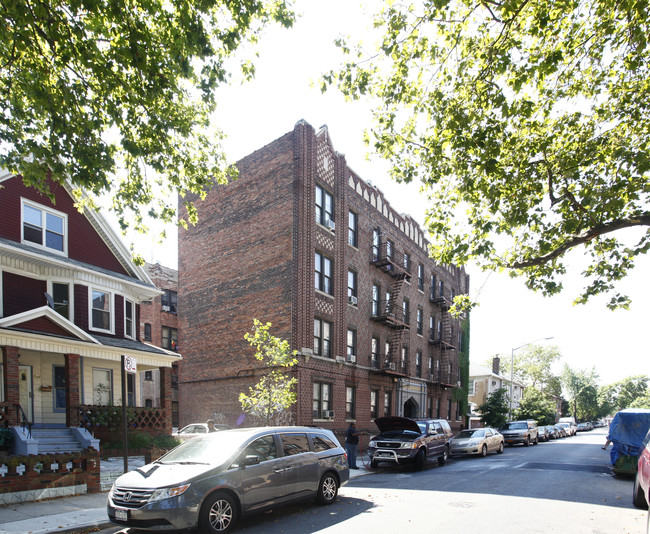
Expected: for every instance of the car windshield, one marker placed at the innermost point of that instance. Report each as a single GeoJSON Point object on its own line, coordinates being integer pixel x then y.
{"type": "Point", "coordinates": [517, 426]}
{"type": "Point", "coordinates": [212, 449]}
{"type": "Point", "coordinates": [472, 433]}
{"type": "Point", "coordinates": [423, 427]}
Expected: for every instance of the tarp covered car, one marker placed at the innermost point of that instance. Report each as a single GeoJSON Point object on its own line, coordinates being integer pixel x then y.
{"type": "Point", "coordinates": [626, 432]}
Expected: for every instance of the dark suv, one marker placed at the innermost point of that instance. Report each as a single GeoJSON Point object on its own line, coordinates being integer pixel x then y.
{"type": "Point", "coordinates": [410, 441]}
{"type": "Point", "coordinates": [520, 432]}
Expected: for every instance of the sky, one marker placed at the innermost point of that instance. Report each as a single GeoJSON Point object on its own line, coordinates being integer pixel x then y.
{"type": "Point", "coordinates": [286, 90]}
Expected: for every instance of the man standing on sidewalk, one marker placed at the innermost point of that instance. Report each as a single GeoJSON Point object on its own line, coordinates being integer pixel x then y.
{"type": "Point", "coordinates": [352, 445]}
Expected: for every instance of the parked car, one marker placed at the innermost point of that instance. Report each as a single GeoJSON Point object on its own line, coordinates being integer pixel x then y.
{"type": "Point", "coordinates": [641, 494]}
{"type": "Point", "coordinates": [524, 432]}
{"type": "Point", "coordinates": [568, 429]}
{"type": "Point", "coordinates": [561, 430]}
{"type": "Point", "coordinates": [543, 433]}
{"type": "Point", "coordinates": [408, 441]}
{"type": "Point", "coordinates": [552, 431]}
{"type": "Point", "coordinates": [477, 441]}
{"type": "Point", "coordinates": [583, 427]}
{"type": "Point", "coordinates": [211, 481]}
{"type": "Point", "coordinates": [196, 429]}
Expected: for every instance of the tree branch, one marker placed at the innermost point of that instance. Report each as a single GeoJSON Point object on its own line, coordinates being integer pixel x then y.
{"type": "Point", "coordinates": [591, 233]}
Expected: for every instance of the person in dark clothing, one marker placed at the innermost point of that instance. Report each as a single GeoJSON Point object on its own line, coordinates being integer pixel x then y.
{"type": "Point", "coordinates": [352, 445]}
{"type": "Point", "coordinates": [211, 427]}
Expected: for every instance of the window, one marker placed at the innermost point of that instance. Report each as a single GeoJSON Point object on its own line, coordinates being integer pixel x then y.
{"type": "Point", "coordinates": [321, 403]}
{"type": "Point", "coordinates": [419, 318]}
{"type": "Point", "coordinates": [101, 310]}
{"type": "Point", "coordinates": [430, 365]}
{"type": "Point", "coordinates": [129, 314]}
{"type": "Point", "coordinates": [433, 287]}
{"type": "Point", "coordinates": [376, 243]}
{"type": "Point", "coordinates": [471, 388]}
{"type": "Point", "coordinates": [352, 345]}
{"type": "Point", "coordinates": [148, 403]}
{"type": "Point", "coordinates": [294, 444]}
{"type": "Point", "coordinates": [61, 298]}
{"type": "Point", "coordinates": [169, 301]}
{"type": "Point", "coordinates": [322, 338]}
{"type": "Point", "coordinates": [263, 448]}
{"type": "Point", "coordinates": [44, 227]}
{"type": "Point", "coordinates": [389, 250]}
{"type": "Point", "coordinates": [350, 394]}
{"type": "Point", "coordinates": [352, 229]}
{"type": "Point", "coordinates": [324, 206]}
{"type": "Point", "coordinates": [322, 443]}
{"type": "Point", "coordinates": [59, 388]}
{"type": "Point", "coordinates": [418, 363]}
{"type": "Point", "coordinates": [169, 338]}
{"type": "Point", "coordinates": [421, 277]}
{"type": "Point", "coordinates": [386, 404]}
{"type": "Point", "coordinates": [374, 410]}
{"type": "Point", "coordinates": [102, 386]}
{"type": "Point", "coordinates": [441, 289]}
{"type": "Point", "coordinates": [405, 359]}
{"type": "Point", "coordinates": [130, 389]}
{"type": "Point", "coordinates": [432, 332]}
{"type": "Point", "coordinates": [406, 311]}
{"type": "Point", "coordinates": [430, 407]}
{"type": "Point", "coordinates": [352, 287]}
{"type": "Point", "coordinates": [147, 331]}
{"type": "Point", "coordinates": [323, 273]}
{"type": "Point", "coordinates": [374, 352]}
{"type": "Point", "coordinates": [449, 409]}
{"type": "Point", "coordinates": [407, 262]}
{"type": "Point", "coordinates": [376, 291]}
{"type": "Point", "coordinates": [148, 376]}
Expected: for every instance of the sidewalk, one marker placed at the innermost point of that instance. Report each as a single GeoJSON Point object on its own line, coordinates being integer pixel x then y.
{"type": "Point", "coordinates": [76, 512]}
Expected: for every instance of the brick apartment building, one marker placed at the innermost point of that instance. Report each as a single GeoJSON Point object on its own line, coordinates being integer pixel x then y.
{"type": "Point", "coordinates": [301, 241]}
{"type": "Point", "coordinates": [159, 327]}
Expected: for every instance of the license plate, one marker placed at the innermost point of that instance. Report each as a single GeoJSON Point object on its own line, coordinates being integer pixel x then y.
{"type": "Point", "coordinates": [122, 515]}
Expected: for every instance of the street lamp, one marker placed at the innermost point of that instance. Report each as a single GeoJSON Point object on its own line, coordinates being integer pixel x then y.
{"type": "Point", "coordinates": [512, 368]}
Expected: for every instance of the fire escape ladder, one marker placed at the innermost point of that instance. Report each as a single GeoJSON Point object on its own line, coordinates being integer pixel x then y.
{"type": "Point", "coordinates": [394, 344]}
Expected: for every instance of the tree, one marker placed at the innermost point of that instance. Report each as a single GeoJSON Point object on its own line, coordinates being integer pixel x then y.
{"type": "Point", "coordinates": [461, 393]}
{"type": "Point", "coordinates": [537, 406]}
{"type": "Point", "coordinates": [494, 412]}
{"type": "Point", "coordinates": [624, 393]}
{"type": "Point", "coordinates": [116, 96]}
{"type": "Point", "coordinates": [274, 393]}
{"type": "Point", "coordinates": [582, 389]}
{"type": "Point", "coordinates": [642, 401]}
{"type": "Point", "coordinates": [533, 367]}
{"type": "Point", "coordinates": [528, 123]}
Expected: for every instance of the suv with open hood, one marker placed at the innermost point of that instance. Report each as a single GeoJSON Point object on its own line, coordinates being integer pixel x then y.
{"type": "Point", "coordinates": [410, 441]}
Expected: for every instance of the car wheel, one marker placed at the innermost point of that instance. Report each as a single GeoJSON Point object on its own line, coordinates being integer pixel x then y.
{"type": "Point", "coordinates": [328, 489]}
{"type": "Point", "coordinates": [536, 441]}
{"type": "Point", "coordinates": [484, 450]}
{"type": "Point", "coordinates": [374, 464]}
{"type": "Point", "coordinates": [442, 460]}
{"type": "Point", "coordinates": [218, 513]}
{"type": "Point", "coordinates": [527, 442]}
{"type": "Point", "coordinates": [418, 462]}
{"type": "Point", "coordinates": [500, 449]}
{"type": "Point", "coordinates": [638, 498]}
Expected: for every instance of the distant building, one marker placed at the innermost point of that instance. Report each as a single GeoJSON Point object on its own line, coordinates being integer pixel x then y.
{"type": "Point", "coordinates": [483, 381]}
{"type": "Point", "coordinates": [301, 241]}
{"type": "Point", "coordinates": [159, 327]}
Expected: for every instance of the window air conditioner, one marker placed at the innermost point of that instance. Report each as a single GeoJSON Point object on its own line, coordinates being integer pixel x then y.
{"type": "Point", "coordinates": [352, 300]}
{"type": "Point", "coordinates": [329, 414]}
{"type": "Point", "coordinates": [352, 358]}
{"type": "Point", "coordinates": [166, 308]}
{"type": "Point", "coordinates": [391, 366]}
{"type": "Point", "coordinates": [329, 223]}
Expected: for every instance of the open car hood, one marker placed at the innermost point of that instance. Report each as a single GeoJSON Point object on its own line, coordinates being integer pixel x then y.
{"type": "Point", "coordinates": [387, 424]}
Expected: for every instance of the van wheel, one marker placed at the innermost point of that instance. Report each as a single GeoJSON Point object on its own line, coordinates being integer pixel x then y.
{"type": "Point", "coordinates": [638, 498]}
{"type": "Point", "coordinates": [218, 513]}
{"type": "Point", "coordinates": [442, 460]}
{"type": "Point", "coordinates": [328, 489]}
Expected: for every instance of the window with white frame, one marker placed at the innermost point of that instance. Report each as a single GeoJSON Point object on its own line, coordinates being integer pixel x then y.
{"type": "Point", "coordinates": [101, 310]}
{"type": "Point", "coordinates": [44, 227]}
{"type": "Point", "coordinates": [350, 402]}
{"type": "Point", "coordinates": [323, 273]}
{"type": "Point", "coordinates": [321, 400]}
{"type": "Point", "coordinates": [58, 372]}
{"type": "Point", "coordinates": [352, 345]}
{"type": "Point", "coordinates": [129, 316]}
{"type": "Point", "coordinates": [102, 386]}
{"type": "Point", "coordinates": [353, 239]}
{"type": "Point", "coordinates": [322, 338]}
{"type": "Point", "coordinates": [61, 298]}
{"type": "Point", "coordinates": [352, 287]}
{"type": "Point", "coordinates": [324, 206]}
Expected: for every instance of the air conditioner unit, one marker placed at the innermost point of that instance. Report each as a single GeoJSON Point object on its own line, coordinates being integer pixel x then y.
{"type": "Point", "coordinates": [329, 223]}
{"type": "Point", "coordinates": [352, 300]}
{"type": "Point", "coordinates": [431, 377]}
{"type": "Point", "coordinates": [329, 414]}
{"type": "Point", "coordinates": [391, 366]}
{"type": "Point", "coordinates": [352, 358]}
{"type": "Point", "coordinates": [166, 308]}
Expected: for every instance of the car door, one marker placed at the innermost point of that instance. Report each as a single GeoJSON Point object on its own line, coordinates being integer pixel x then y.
{"type": "Point", "coordinates": [300, 465]}
{"type": "Point", "coordinates": [262, 484]}
{"type": "Point", "coordinates": [491, 440]}
{"type": "Point", "coordinates": [436, 439]}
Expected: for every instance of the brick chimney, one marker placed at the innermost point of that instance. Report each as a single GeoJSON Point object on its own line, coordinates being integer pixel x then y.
{"type": "Point", "coordinates": [496, 361]}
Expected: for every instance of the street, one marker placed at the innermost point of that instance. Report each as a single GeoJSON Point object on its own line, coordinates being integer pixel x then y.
{"type": "Point", "coordinates": [560, 486]}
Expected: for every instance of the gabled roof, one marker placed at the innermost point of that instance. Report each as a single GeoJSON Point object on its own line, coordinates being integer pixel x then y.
{"type": "Point", "coordinates": [19, 319]}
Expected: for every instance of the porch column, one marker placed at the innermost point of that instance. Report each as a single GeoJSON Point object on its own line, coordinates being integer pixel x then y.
{"type": "Point", "coordinates": [12, 384]}
{"type": "Point", "coordinates": [166, 396]}
{"type": "Point", "coordinates": [72, 389]}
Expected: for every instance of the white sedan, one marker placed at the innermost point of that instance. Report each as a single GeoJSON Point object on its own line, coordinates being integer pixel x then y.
{"type": "Point", "coordinates": [477, 441]}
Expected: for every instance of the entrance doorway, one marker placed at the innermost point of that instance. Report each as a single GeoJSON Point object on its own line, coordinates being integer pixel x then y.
{"type": "Point", "coordinates": [411, 409]}
{"type": "Point", "coordinates": [26, 391]}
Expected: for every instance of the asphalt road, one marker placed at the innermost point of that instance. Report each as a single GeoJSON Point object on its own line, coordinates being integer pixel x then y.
{"type": "Point", "coordinates": [562, 486]}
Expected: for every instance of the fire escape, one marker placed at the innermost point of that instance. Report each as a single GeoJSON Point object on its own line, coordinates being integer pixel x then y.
{"type": "Point", "coordinates": [386, 311]}
{"type": "Point", "coordinates": [442, 336]}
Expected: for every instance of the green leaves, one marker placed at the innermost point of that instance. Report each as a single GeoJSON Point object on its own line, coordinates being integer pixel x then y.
{"type": "Point", "coordinates": [527, 122]}
{"type": "Point", "coordinates": [116, 97]}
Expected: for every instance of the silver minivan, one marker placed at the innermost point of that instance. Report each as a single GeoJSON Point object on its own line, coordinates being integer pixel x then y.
{"type": "Point", "coordinates": [213, 480]}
